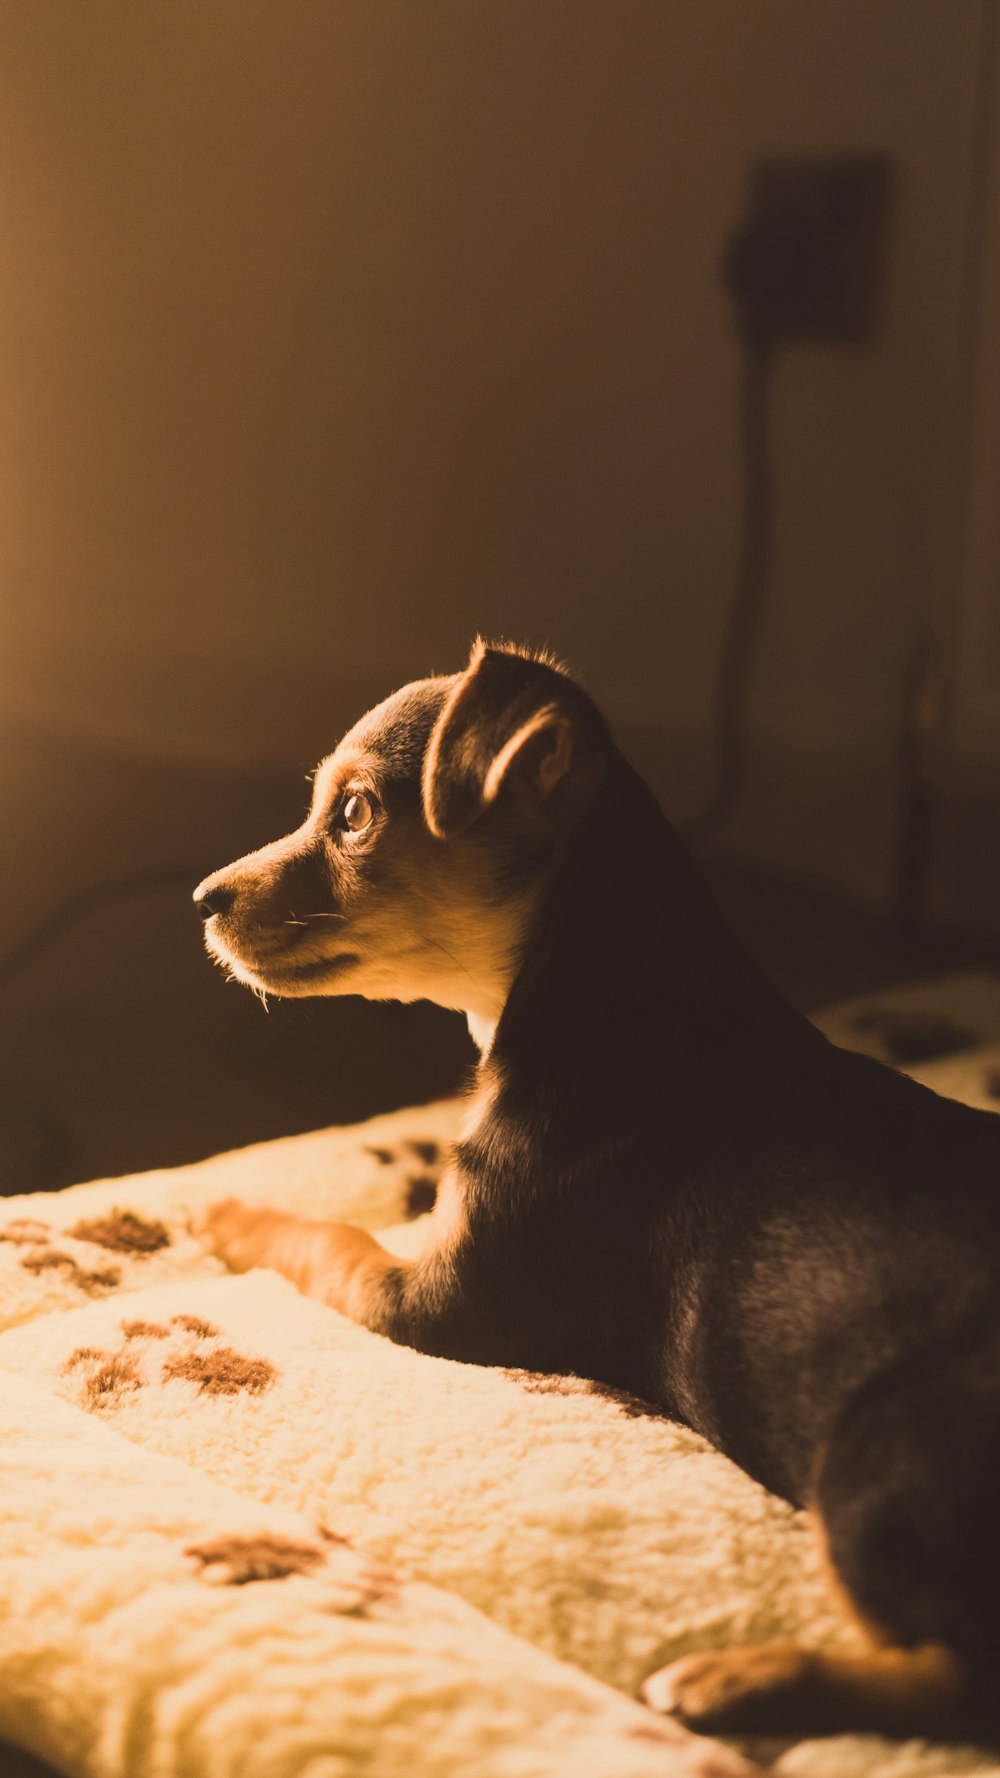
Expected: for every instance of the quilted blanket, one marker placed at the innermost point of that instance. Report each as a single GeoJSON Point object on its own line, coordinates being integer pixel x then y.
{"type": "Point", "coordinates": [243, 1536]}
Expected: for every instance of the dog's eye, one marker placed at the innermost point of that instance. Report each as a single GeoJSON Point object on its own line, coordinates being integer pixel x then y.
{"type": "Point", "coordinates": [357, 812]}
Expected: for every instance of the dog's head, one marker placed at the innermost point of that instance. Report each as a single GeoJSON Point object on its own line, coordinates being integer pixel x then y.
{"type": "Point", "coordinates": [433, 830]}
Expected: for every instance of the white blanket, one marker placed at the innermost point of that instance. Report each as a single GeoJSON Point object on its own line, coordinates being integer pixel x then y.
{"type": "Point", "coordinates": [182, 1450]}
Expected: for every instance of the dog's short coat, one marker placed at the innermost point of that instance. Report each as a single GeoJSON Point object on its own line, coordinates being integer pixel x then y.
{"type": "Point", "coordinates": [668, 1181]}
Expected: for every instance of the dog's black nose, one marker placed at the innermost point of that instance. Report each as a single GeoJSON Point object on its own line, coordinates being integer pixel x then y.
{"type": "Point", "coordinates": [214, 901]}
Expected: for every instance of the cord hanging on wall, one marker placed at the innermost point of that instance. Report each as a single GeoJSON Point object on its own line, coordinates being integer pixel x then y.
{"type": "Point", "coordinates": [804, 265]}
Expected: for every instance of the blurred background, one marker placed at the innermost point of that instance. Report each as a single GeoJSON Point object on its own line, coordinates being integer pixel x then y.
{"type": "Point", "coordinates": [664, 332]}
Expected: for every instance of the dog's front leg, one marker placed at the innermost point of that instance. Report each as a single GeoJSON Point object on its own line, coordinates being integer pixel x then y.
{"type": "Point", "coordinates": [342, 1266]}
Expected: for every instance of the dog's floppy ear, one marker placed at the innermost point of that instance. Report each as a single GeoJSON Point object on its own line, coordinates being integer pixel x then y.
{"type": "Point", "coordinates": [509, 715]}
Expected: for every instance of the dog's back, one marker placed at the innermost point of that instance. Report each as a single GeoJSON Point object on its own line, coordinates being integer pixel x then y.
{"type": "Point", "coordinates": [865, 1231]}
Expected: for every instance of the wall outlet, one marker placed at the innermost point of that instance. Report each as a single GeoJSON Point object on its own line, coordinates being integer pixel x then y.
{"type": "Point", "coordinates": [806, 261]}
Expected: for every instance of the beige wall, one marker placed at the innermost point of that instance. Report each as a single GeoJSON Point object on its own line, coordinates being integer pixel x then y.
{"type": "Point", "coordinates": [332, 331]}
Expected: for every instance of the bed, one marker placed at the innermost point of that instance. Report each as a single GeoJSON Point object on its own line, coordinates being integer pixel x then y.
{"type": "Point", "coordinates": [243, 1536]}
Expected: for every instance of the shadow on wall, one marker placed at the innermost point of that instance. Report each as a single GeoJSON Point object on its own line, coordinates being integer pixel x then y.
{"type": "Point", "coordinates": [342, 332]}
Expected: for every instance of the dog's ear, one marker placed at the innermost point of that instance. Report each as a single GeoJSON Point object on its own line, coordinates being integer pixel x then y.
{"type": "Point", "coordinates": [508, 718]}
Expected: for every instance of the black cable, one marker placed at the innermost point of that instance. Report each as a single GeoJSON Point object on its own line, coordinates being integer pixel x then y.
{"type": "Point", "coordinates": [78, 906]}
{"type": "Point", "coordinates": [753, 573]}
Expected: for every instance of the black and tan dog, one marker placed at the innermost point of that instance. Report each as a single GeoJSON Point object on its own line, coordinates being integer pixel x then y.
{"type": "Point", "coordinates": [668, 1181]}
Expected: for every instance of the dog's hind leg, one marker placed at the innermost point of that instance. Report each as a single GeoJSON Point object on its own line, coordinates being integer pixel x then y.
{"type": "Point", "coordinates": [907, 1499]}
{"type": "Point", "coordinates": [778, 1688]}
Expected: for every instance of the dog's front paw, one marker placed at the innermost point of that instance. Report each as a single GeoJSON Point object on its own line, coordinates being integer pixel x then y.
{"type": "Point", "coordinates": [752, 1690]}
{"type": "Point", "coordinates": [239, 1234]}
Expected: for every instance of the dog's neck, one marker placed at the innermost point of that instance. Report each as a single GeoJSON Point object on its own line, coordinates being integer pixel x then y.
{"type": "Point", "coordinates": [631, 979]}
